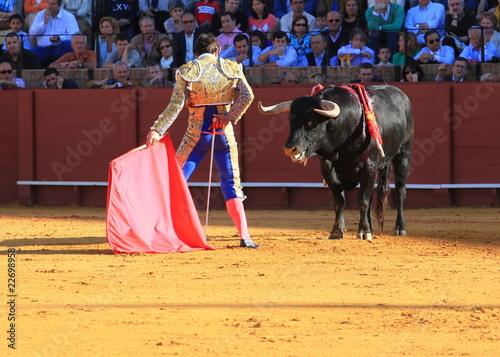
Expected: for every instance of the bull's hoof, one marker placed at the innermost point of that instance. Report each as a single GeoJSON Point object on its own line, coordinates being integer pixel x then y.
{"type": "Point", "coordinates": [400, 232]}
{"type": "Point", "coordinates": [336, 235]}
{"type": "Point", "coordinates": [364, 235]}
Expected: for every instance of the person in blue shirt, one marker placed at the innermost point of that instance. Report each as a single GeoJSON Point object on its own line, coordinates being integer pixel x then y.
{"type": "Point", "coordinates": [280, 54]}
{"type": "Point", "coordinates": [241, 52]}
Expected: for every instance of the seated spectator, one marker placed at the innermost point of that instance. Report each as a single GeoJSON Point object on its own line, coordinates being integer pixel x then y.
{"type": "Point", "coordinates": [300, 39]}
{"type": "Point", "coordinates": [124, 52]}
{"type": "Point", "coordinates": [384, 56]}
{"type": "Point", "coordinates": [259, 39]}
{"type": "Point", "coordinates": [353, 16]}
{"type": "Point", "coordinates": [412, 72]}
{"type": "Point", "coordinates": [434, 52]}
{"type": "Point", "coordinates": [240, 17]}
{"type": "Point", "coordinates": [16, 25]}
{"type": "Point", "coordinates": [458, 21]}
{"type": "Point", "coordinates": [229, 30]}
{"type": "Point", "coordinates": [459, 70]}
{"type": "Point", "coordinates": [365, 74]}
{"type": "Point", "coordinates": [204, 11]}
{"type": "Point", "coordinates": [280, 54]}
{"type": "Point", "coordinates": [79, 58]}
{"type": "Point", "coordinates": [157, 10]}
{"type": "Point", "coordinates": [318, 56]}
{"type": "Point", "coordinates": [490, 77]}
{"type": "Point", "coordinates": [287, 77]}
{"type": "Point", "coordinates": [19, 58]}
{"type": "Point", "coordinates": [120, 79]}
{"type": "Point", "coordinates": [53, 80]}
{"type": "Point", "coordinates": [146, 43]}
{"type": "Point", "coordinates": [185, 40]}
{"type": "Point", "coordinates": [297, 10]}
{"type": "Point", "coordinates": [320, 22]}
{"type": "Point", "coordinates": [167, 50]}
{"type": "Point", "coordinates": [261, 18]}
{"type": "Point", "coordinates": [489, 22]}
{"type": "Point", "coordinates": [81, 10]}
{"type": "Point", "coordinates": [31, 9]}
{"type": "Point", "coordinates": [335, 36]}
{"type": "Point", "coordinates": [241, 52]}
{"type": "Point", "coordinates": [53, 28]}
{"type": "Point", "coordinates": [317, 78]}
{"type": "Point", "coordinates": [155, 76]}
{"type": "Point", "coordinates": [425, 16]}
{"type": "Point", "coordinates": [7, 80]}
{"type": "Point", "coordinates": [408, 46]}
{"type": "Point", "coordinates": [357, 51]}
{"type": "Point", "coordinates": [475, 51]}
{"type": "Point", "coordinates": [282, 7]}
{"type": "Point", "coordinates": [384, 22]}
{"type": "Point", "coordinates": [173, 25]}
{"type": "Point", "coordinates": [106, 43]}
{"type": "Point", "coordinates": [125, 12]}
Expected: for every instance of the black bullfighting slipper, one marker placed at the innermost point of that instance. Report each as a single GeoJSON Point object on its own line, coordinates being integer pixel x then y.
{"type": "Point", "coordinates": [248, 244]}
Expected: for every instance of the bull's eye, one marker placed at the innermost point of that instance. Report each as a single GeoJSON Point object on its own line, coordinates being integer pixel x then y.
{"type": "Point", "coordinates": [310, 124]}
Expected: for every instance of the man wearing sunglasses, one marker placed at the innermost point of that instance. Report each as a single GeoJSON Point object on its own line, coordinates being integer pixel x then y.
{"type": "Point", "coordinates": [7, 80]}
{"type": "Point", "coordinates": [434, 52]}
{"type": "Point", "coordinates": [185, 40]}
{"type": "Point", "coordinates": [336, 38]}
{"type": "Point", "coordinates": [297, 10]}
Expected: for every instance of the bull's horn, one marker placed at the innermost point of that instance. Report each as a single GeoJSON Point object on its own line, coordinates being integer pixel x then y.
{"type": "Point", "coordinates": [275, 109]}
{"type": "Point", "coordinates": [328, 109]}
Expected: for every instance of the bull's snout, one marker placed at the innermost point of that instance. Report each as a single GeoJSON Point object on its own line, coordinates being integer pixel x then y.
{"type": "Point", "coordinates": [291, 151]}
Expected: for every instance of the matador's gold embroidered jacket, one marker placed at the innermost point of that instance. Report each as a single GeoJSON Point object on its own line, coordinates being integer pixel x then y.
{"type": "Point", "coordinates": [206, 81]}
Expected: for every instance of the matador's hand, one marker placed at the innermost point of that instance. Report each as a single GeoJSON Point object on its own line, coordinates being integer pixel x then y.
{"type": "Point", "coordinates": [152, 138]}
{"type": "Point", "coordinates": [219, 122]}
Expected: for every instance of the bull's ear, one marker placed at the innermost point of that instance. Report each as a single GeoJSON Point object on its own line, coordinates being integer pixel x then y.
{"type": "Point", "coordinates": [275, 109]}
{"type": "Point", "coordinates": [328, 109]}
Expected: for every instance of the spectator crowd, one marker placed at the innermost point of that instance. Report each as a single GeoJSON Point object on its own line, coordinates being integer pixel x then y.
{"type": "Point", "coordinates": [160, 34]}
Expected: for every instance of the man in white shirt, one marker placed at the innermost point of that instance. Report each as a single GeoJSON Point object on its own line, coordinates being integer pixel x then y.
{"type": "Point", "coordinates": [434, 52]}
{"type": "Point", "coordinates": [297, 10]}
{"type": "Point", "coordinates": [474, 51]}
{"type": "Point", "coordinates": [425, 16]}
{"type": "Point", "coordinates": [53, 28]}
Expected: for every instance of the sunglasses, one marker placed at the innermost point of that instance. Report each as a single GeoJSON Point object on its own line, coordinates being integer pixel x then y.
{"type": "Point", "coordinates": [9, 71]}
{"type": "Point", "coordinates": [187, 22]}
{"type": "Point", "coordinates": [165, 46]}
{"type": "Point", "coordinates": [301, 25]}
{"type": "Point", "coordinates": [432, 41]}
{"type": "Point", "coordinates": [412, 71]}
{"type": "Point", "coordinates": [334, 20]}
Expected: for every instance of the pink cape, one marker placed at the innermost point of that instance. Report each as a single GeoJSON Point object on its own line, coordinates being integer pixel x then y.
{"type": "Point", "coordinates": [149, 207]}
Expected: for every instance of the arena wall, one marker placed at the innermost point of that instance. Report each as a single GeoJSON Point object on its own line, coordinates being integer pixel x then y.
{"type": "Point", "coordinates": [56, 146]}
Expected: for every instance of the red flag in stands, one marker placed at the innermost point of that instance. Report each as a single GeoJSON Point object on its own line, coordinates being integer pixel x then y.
{"type": "Point", "coordinates": [149, 207]}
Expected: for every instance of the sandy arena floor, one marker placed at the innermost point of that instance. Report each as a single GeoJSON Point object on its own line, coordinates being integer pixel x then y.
{"type": "Point", "coordinates": [435, 292]}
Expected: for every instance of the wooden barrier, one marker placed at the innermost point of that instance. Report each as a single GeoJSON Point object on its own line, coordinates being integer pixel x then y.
{"type": "Point", "coordinates": [71, 136]}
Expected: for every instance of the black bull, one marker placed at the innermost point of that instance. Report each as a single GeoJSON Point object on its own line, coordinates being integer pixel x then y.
{"type": "Point", "coordinates": [332, 126]}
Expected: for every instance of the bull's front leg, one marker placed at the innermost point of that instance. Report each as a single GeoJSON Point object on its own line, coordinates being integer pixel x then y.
{"type": "Point", "coordinates": [331, 179]}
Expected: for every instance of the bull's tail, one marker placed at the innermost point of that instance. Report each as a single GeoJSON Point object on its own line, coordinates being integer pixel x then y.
{"type": "Point", "coordinates": [383, 189]}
